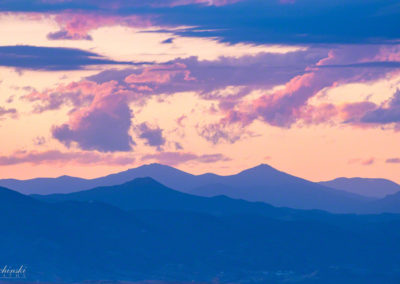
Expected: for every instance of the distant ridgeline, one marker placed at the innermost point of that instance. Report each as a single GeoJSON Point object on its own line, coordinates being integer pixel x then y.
{"type": "Point", "coordinates": [262, 183]}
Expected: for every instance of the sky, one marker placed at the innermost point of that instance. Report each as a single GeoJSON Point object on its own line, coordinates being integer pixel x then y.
{"type": "Point", "coordinates": [310, 87]}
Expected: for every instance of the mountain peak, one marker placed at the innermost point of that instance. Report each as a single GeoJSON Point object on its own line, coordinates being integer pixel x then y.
{"type": "Point", "coordinates": [154, 168]}
{"type": "Point", "coordinates": [12, 198]}
{"type": "Point", "coordinates": [156, 165]}
{"type": "Point", "coordinates": [153, 165]}
{"type": "Point", "coordinates": [65, 177]}
{"type": "Point", "coordinates": [260, 168]}
{"type": "Point", "coordinates": [262, 165]}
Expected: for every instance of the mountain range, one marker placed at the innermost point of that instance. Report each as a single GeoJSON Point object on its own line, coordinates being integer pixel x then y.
{"type": "Point", "coordinates": [143, 230]}
{"type": "Point", "coordinates": [262, 183]}
{"type": "Point", "coordinates": [148, 194]}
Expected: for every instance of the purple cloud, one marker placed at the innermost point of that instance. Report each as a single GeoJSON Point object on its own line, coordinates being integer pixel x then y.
{"type": "Point", "coordinates": [393, 161]}
{"type": "Point", "coordinates": [385, 114]}
{"type": "Point", "coordinates": [304, 73]}
{"type": "Point", "coordinates": [51, 58]}
{"type": "Point", "coordinates": [215, 133]}
{"type": "Point", "coordinates": [287, 106]}
{"type": "Point", "coordinates": [8, 111]}
{"type": "Point", "coordinates": [102, 126]}
{"type": "Point", "coordinates": [152, 135]}
{"type": "Point", "coordinates": [63, 34]}
{"type": "Point", "coordinates": [94, 125]}
{"type": "Point", "coordinates": [168, 40]}
{"type": "Point", "coordinates": [263, 70]}
{"type": "Point", "coordinates": [39, 141]}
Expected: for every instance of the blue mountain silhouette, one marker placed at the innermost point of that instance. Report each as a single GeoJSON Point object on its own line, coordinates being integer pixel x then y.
{"type": "Point", "coordinates": [142, 230]}
{"type": "Point", "coordinates": [371, 187]}
{"type": "Point", "coordinates": [261, 183]}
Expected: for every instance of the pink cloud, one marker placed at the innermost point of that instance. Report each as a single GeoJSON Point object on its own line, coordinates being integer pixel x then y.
{"type": "Point", "coordinates": [363, 162]}
{"type": "Point", "coordinates": [368, 162]}
{"type": "Point", "coordinates": [180, 120]}
{"type": "Point", "coordinates": [101, 117]}
{"type": "Point", "coordinates": [388, 53]}
{"type": "Point", "coordinates": [284, 107]}
{"type": "Point", "coordinates": [100, 103]}
{"type": "Point", "coordinates": [77, 26]}
{"type": "Point", "coordinates": [159, 74]}
{"type": "Point", "coordinates": [289, 105]}
{"type": "Point", "coordinates": [75, 94]}
{"type": "Point", "coordinates": [312, 115]}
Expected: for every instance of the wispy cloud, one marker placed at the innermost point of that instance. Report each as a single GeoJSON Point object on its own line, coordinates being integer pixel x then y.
{"type": "Point", "coordinates": [176, 158]}
{"type": "Point", "coordinates": [363, 162]}
{"type": "Point", "coordinates": [58, 157]}
{"type": "Point", "coordinates": [8, 111]}
{"type": "Point", "coordinates": [393, 161]}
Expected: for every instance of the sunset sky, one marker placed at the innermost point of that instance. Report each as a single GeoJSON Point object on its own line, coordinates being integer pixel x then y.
{"type": "Point", "coordinates": [92, 87]}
